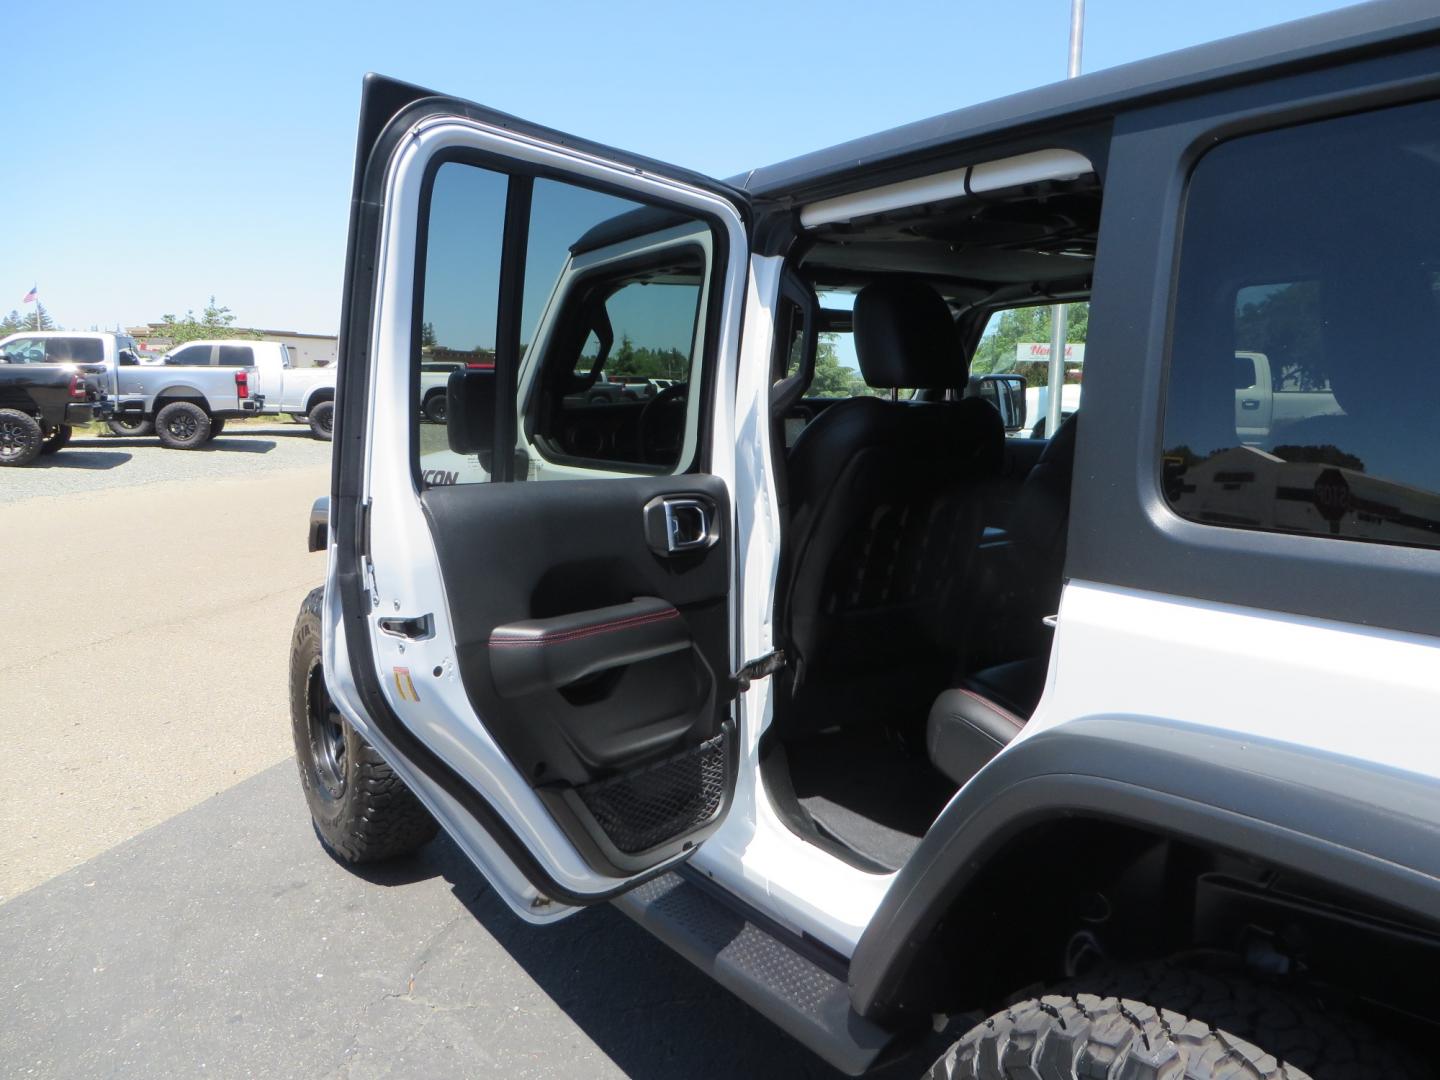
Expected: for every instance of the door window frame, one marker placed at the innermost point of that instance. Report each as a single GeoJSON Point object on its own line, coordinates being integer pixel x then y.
{"type": "Point", "coordinates": [727, 255]}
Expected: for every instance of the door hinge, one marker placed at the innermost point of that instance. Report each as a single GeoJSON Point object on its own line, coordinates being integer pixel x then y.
{"type": "Point", "coordinates": [751, 670]}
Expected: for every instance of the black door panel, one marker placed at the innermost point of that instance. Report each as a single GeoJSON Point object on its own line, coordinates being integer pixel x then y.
{"type": "Point", "coordinates": [592, 658]}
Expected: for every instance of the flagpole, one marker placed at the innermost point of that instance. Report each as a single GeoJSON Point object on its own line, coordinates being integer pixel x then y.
{"type": "Point", "coordinates": [1058, 314]}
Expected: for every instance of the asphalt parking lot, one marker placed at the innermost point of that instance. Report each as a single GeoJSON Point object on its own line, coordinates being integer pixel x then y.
{"type": "Point", "coordinates": [165, 909]}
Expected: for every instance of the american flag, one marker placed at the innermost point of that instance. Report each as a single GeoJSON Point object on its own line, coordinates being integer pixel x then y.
{"type": "Point", "coordinates": [32, 295]}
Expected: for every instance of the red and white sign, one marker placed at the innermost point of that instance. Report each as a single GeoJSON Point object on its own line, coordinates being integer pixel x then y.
{"type": "Point", "coordinates": [1039, 351]}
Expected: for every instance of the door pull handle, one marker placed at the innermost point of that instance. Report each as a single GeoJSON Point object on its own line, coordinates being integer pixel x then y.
{"type": "Point", "coordinates": [413, 628]}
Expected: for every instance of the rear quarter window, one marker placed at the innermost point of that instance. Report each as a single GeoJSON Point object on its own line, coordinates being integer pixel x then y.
{"type": "Point", "coordinates": [1313, 248]}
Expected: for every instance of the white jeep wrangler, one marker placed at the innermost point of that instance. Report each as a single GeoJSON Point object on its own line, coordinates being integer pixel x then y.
{"type": "Point", "coordinates": [1125, 739]}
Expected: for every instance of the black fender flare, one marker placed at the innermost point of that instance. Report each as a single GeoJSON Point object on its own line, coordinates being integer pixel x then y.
{"type": "Point", "coordinates": [1372, 828]}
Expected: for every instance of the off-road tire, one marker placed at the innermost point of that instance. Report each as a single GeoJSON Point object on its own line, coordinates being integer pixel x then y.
{"type": "Point", "coordinates": [322, 421]}
{"type": "Point", "coordinates": [1167, 1022]}
{"type": "Point", "coordinates": [20, 438]}
{"type": "Point", "coordinates": [371, 816]}
{"type": "Point", "coordinates": [434, 406]}
{"type": "Point", "coordinates": [57, 439]}
{"type": "Point", "coordinates": [128, 428]}
{"type": "Point", "coordinates": [217, 425]}
{"type": "Point", "coordinates": [183, 425]}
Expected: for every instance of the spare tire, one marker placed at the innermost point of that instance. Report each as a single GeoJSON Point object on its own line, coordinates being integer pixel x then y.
{"type": "Point", "coordinates": [183, 425]}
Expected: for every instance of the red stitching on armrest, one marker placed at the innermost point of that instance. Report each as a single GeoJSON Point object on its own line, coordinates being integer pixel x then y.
{"type": "Point", "coordinates": [560, 637]}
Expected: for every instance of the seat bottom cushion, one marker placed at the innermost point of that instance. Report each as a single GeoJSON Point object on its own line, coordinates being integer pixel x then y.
{"type": "Point", "coordinates": [972, 723]}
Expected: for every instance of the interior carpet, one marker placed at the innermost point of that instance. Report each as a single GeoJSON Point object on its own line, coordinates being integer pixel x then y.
{"type": "Point", "coordinates": [868, 792]}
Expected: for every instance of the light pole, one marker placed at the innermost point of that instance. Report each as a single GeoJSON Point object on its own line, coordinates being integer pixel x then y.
{"type": "Point", "coordinates": [1056, 385]}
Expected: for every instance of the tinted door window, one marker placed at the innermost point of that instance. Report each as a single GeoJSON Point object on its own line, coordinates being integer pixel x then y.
{"type": "Point", "coordinates": [192, 356]}
{"type": "Point", "coordinates": [76, 350]}
{"type": "Point", "coordinates": [609, 330]}
{"type": "Point", "coordinates": [1309, 250]}
{"type": "Point", "coordinates": [236, 356]}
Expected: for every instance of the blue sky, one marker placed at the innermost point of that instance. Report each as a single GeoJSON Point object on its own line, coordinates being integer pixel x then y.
{"type": "Point", "coordinates": [160, 153]}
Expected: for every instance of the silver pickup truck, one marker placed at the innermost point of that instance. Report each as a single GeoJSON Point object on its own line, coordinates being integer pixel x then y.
{"type": "Point", "coordinates": [186, 407]}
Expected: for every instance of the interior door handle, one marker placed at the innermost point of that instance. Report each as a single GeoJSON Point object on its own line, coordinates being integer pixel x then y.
{"type": "Point", "coordinates": [681, 524]}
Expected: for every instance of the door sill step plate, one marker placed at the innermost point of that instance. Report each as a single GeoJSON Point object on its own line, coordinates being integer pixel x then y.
{"type": "Point", "coordinates": [807, 1000]}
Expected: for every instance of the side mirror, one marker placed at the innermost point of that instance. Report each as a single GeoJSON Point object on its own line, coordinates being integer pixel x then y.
{"type": "Point", "coordinates": [127, 358]}
{"type": "Point", "coordinates": [319, 538]}
{"type": "Point", "coordinates": [1007, 394]}
{"type": "Point", "coordinates": [470, 411]}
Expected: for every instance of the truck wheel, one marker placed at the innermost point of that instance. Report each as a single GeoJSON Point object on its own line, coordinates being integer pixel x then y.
{"type": "Point", "coordinates": [217, 425]}
{"type": "Point", "coordinates": [362, 811]}
{"type": "Point", "coordinates": [1173, 1023]}
{"type": "Point", "coordinates": [130, 425]}
{"type": "Point", "coordinates": [182, 425]}
{"type": "Point", "coordinates": [20, 438]}
{"type": "Point", "coordinates": [435, 407]}
{"type": "Point", "coordinates": [322, 421]}
{"type": "Point", "coordinates": [56, 440]}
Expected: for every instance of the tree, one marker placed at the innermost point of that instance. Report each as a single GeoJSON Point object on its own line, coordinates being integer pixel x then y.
{"type": "Point", "coordinates": [832, 378]}
{"type": "Point", "coordinates": [427, 336]}
{"type": "Point", "coordinates": [16, 322]}
{"type": "Point", "coordinates": [996, 351]}
{"type": "Point", "coordinates": [1285, 325]}
{"type": "Point", "coordinates": [214, 322]}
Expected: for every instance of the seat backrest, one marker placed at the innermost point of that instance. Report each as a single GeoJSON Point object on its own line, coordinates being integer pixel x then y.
{"type": "Point", "coordinates": [1040, 519]}
{"type": "Point", "coordinates": [886, 509]}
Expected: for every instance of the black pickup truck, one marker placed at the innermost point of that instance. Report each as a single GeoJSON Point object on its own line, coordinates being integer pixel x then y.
{"type": "Point", "coordinates": [39, 405]}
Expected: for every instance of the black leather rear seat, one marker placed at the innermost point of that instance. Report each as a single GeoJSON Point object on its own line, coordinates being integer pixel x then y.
{"type": "Point", "coordinates": [972, 723]}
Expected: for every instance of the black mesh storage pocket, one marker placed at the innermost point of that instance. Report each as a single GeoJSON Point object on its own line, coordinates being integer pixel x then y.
{"type": "Point", "coordinates": [641, 809]}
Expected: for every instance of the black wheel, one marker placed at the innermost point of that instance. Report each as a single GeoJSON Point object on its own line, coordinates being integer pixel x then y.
{"type": "Point", "coordinates": [183, 425]}
{"type": "Point", "coordinates": [20, 437]}
{"type": "Point", "coordinates": [56, 440]}
{"type": "Point", "coordinates": [217, 425]}
{"type": "Point", "coordinates": [1171, 1023]}
{"type": "Point", "coordinates": [130, 425]}
{"type": "Point", "coordinates": [434, 407]}
{"type": "Point", "coordinates": [322, 421]}
{"type": "Point", "coordinates": [362, 811]}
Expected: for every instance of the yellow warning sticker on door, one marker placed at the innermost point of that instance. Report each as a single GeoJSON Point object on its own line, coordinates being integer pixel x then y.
{"type": "Point", "coordinates": [404, 685]}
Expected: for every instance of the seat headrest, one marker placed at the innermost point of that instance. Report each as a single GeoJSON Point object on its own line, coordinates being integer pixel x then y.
{"type": "Point", "coordinates": [906, 338]}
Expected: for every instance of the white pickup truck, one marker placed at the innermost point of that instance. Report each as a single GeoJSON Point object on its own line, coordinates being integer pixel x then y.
{"type": "Point", "coordinates": [1266, 401]}
{"type": "Point", "coordinates": [303, 392]}
{"type": "Point", "coordinates": [186, 409]}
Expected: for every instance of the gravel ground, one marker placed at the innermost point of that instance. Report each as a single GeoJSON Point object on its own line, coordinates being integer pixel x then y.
{"type": "Point", "coordinates": [145, 668]}
{"type": "Point", "coordinates": [97, 463]}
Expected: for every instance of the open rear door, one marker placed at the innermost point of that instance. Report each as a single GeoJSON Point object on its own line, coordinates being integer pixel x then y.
{"type": "Point", "coordinates": [528, 606]}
